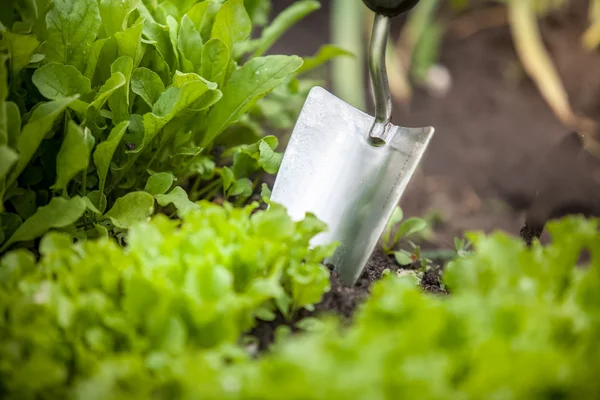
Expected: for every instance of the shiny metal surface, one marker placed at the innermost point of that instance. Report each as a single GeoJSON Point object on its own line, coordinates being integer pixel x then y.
{"type": "Point", "coordinates": [331, 169]}
{"type": "Point", "coordinates": [379, 80]}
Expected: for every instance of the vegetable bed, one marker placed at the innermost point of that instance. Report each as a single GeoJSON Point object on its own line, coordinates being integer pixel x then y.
{"type": "Point", "coordinates": [139, 260]}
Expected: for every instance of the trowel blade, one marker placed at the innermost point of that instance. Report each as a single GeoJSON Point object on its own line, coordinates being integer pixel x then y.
{"type": "Point", "coordinates": [330, 169]}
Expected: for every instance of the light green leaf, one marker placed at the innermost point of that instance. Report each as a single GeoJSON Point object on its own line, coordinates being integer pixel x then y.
{"type": "Point", "coordinates": [409, 227]}
{"type": "Point", "coordinates": [232, 24]}
{"type": "Point", "coordinates": [325, 54]}
{"type": "Point", "coordinates": [180, 200]}
{"type": "Point", "coordinates": [248, 84]}
{"type": "Point", "coordinates": [72, 26]}
{"type": "Point", "coordinates": [403, 258]}
{"type": "Point", "coordinates": [3, 107]}
{"type": "Point", "coordinates": [172, 102]}
{"type": "Point", "coordinates": [59, 213]}
{"type": "Point", "coordinates": [129, 43]}
{"type": "Point", "coordinates": [131, 209]}
{"type": "Point", "coordinates": [284, 21]}
{"type": "Point", "coordinates": [12, 122]}
{"type": "Point", "coordinates": [265, 192]}
{"type": "Point", "coordinates": [91, 206]}
{"type": "Point", "coordinates": [119, 101]}
{"type": "Point", "coordinates": [94, 55]}
{"type": "Point", "coordinates": [396, 217]}
{"type": "Point", "coordinates": [228, 178]}
{"type": "Point", "coordinates": [159, 183]}
{"type": "Point", "coordinates": [269, 159]}
{"type": "Point", "coordinates": [116, 81]}
{"type": "Point", "coordinates": [241, 187]}
{"type": "Point", "coordinates": [215, 59]}
{"type": "Point", "coordinates": [114, 14]}
{"type": "Point", "coordinates": [21, 49]}
{"type": "Point", "coordinates": [105, 151]}
{"type": "Point", "coordinates": [57, 81]}
{"type": "Point", "coordinates": [190, 45]}
{"type": "Point", "coordinates": [147, 84]}
{"type": "Point", "coordinates": [33, 133]}
{"type": "Point", "coordinates": [8, 157]}
{"type": "Point", "coordinates": [197, 12]}
{"type": "Point", "coordinates": [74, 154]}
{"type": "Point", "coordinates": [98, 200]}
{"type": "Point", "coordinates": [173, 26]}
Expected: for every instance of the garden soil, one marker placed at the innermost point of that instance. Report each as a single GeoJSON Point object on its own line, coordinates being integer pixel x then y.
{"type": "Point", "coordinates": [500, 159]}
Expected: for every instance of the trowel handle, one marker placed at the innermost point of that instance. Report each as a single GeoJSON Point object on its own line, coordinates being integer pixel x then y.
{"type": "Point", "coordinates": [390, 8]}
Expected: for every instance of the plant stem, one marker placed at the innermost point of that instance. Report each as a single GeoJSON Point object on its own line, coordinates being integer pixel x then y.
{"type": "Point", "coordinates": [536, 60]}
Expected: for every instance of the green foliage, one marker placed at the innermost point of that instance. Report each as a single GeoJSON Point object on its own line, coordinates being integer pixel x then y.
{"type": "Point", "coordinates": [101, 99]}
{"type": "Point", "coordinates": [165, 318]}
{"type": "Point", "coordinates": [96, 320]}
{"type": "Point", "coordinates": [398, 230]}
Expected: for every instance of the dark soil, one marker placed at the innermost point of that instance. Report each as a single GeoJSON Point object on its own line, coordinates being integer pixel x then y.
{"type": "Point", "coordinates": [342, 300]}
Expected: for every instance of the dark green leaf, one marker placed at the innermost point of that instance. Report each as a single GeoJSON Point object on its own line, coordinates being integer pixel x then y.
{"type": "Point", "coordinates": [105, 151]}
{"type": "Point", "coordinates": [59, 213]}
{"type": "Point", "coordinates": [119, 101]}
{"type": "Point", "coordinates": [21, 49]}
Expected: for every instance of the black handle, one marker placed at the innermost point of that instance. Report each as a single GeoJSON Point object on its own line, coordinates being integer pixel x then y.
{"type": "Point", "coordinates": [390, 8]}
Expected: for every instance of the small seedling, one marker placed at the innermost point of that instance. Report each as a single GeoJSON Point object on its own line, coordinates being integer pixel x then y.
{"type": "Point", "coordinates": [399, 230]}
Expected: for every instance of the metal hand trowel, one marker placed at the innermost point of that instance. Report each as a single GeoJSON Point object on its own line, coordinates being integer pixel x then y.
{"type": "Point", "coordinates": [348, 168]}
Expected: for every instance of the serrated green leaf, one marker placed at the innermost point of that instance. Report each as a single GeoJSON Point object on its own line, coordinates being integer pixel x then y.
{"type": "Point", "coordinates": [35, 130]}
{"type": "Point", "coordinates": [131, 209]}
{"type": "Point", "coordinates": [270, 160]}
{"type": "Point", "coordinates": [215, 59]}
{"type": "Point", "coordinates": [59, 213]}
{"type": "Point", "coordinates": [105, 151]}
{"type": "Point", "coordinates": [74, 154]}
{"type": "Point", "coordinates": [175, 100]}
{"type": "Point", "coordinates": [119, 101]}
{"type": "Point", "coordinates": [129, 43]}
{"type": "Point", "coordinates": [72, 26]}
{"type": "Point", "coordinates": [116, 81]}
{"type": "Point", "coordinates": [114, 14]}
{"type": "Point", "coordinates": [284, 21]}
{"type": "Point", "coordinates": [179, 198]}
{"type": "Point", "coordinates": [232, 24]}
{"type": "Point", "coordinates": [57, 81]}
{"type": "Point", "coordinates": [254, 80]}
{"type": "Point", "coordinates": [148, 85]}
{"type": "Point", "coordinates": [159, 183]}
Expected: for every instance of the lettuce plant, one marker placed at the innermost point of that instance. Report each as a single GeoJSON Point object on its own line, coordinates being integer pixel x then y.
{"type": "Point", "coordinates": [106, 104]}
{"type": "Point", "coordinates": [85, 314]}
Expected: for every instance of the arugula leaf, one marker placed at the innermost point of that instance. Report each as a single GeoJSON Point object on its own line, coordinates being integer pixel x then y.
{"type": "Point", "coordinates": [215, 59]}
{"type": "Point", "coordinates": [93, 57]}
{"type": "Point", "coordinates": [21, 49]}
{"type": "Point", "coordinates": [270, 160]}
{"type": "Point", "coordinates": [129, 43]}
{"type": "Point", "coordinates": [159, 183]}
{"type": "Point", "coordinates": [57, 81]}
{"type": "Point", "coordinates": [284, 21]}
{"type": "Point", "coordinates": [105, 151]}
{"type": "Point", "coordinates": [116, 81]}
{"type": "Point", "coordinates": [190, 46]}
{"type": "Point", "coordinates": [249, 83]}
{"type": "Point", "coordinates": [74, 154]}
{"type": "Point", "coordinates": [179, 198]}
{"type": "Point", "coordinates": [35, 130]}
{"type": "Point", "coordinates": [131, 209]}
{"type": "Point", "coordinates": [172, 102]}
{"type": "Point", "coordinates": [326, 53]}
{"type": "Point", "coordinates": [148, 85]}
{"type": "Point", "coordinates": [8, 157]}
{"type": "Point", "coordinates": [59, 213]}
{"type": "Point", "coordinates": [173, 29]}
{"type": "Point", "coordinates": [72, 26]}
{"type": "Point", "coordinates": [114, 14]}
{"type": "Point", "coordinates": [119, 101]}
{"type": "Point", "coordinates": [3, 96]}
{"type": "Point", "coordinates": [232, 24]}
